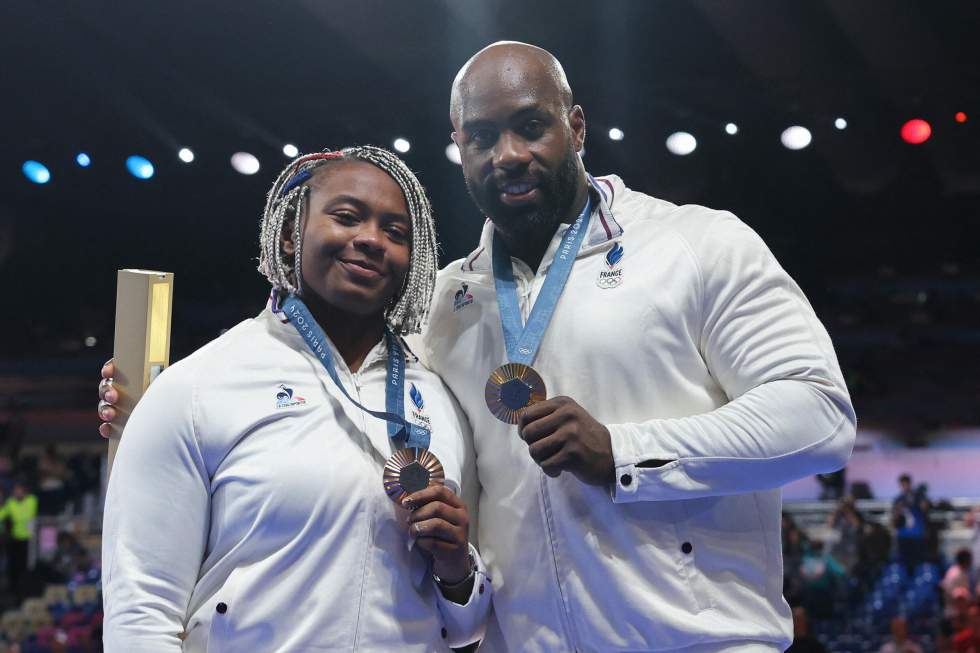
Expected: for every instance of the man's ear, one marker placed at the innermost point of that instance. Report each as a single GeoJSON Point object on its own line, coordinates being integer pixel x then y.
{"type": "Point", "coordinates": [576, 120]}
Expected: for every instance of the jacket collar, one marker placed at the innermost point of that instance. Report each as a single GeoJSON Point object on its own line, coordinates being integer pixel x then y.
{"type": "Point", "coordinates": [603, 226]}
{"type": "Point", "coordinates": [277, 322]}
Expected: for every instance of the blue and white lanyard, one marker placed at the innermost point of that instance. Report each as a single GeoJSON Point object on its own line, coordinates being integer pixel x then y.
{"type": "Point", "coordinates": [400, 430]}
{"type": "Point", "coordinates": [523, 340]}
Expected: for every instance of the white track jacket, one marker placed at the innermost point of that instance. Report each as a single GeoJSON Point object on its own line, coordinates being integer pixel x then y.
{"type": "Point", "coordinates": [246, 508]}
{"type": "Point", "coordinates": [693, 346]}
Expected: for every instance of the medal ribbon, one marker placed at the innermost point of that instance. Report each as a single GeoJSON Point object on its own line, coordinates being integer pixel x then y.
{"type": "Point", "coordinates": [400, 430]}
{"type": "Point", "coordinates": [523, 340]}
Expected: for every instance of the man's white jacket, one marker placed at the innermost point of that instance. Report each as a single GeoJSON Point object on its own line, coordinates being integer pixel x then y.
{"type": "Point", "coordinates": [679, 331]}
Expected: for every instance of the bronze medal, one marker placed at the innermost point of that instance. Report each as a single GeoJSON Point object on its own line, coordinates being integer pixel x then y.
{"type": "Point", "coordinates": [411, 470]}
{"type": "Point", "coordinates": [511, 389]}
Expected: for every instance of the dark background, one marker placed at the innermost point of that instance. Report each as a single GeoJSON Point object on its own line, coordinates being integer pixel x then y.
{"type": "Point", "coordinates": [882, 235]}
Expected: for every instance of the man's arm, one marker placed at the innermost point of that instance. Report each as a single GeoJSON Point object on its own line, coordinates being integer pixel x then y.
{"type": "Point", "coordinates": [789, 413]}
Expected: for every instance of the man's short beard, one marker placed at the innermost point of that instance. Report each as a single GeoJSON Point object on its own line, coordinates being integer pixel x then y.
{"type": "Point", "coordinates": [558, 191]}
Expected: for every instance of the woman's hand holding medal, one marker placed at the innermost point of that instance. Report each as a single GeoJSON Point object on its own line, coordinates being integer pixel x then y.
{"type": "Point", "coordinates": [441, 523]}
{"type": "Point", "coordinates": [563, 437]}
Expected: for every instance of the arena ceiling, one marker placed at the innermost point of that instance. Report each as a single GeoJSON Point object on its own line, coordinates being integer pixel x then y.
{"type": "Point", "coordinates": [858, 216]}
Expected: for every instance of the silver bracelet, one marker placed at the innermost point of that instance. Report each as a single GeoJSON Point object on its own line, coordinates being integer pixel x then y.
{"type": "Point", "coordinates": [452, 586]}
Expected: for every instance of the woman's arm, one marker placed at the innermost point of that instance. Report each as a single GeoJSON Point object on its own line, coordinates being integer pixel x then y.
{"type": "Point", "coordinates": [156, 521]}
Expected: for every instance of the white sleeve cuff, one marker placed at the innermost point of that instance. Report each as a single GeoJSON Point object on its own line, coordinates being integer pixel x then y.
{"type": "Point", "coordinates": [630, 447]}
{"type": "Point", "coordinates": [467, 623]}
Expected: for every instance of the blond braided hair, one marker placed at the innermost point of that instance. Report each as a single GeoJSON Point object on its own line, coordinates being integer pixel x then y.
{"type": "Point", "coordinates": [410, 305]}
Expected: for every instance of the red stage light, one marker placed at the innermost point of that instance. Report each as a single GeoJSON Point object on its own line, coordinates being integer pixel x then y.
{"type": "Point", "coordinates": [916, 131]}
{"type": "Point", "coordinates": [960, 116]}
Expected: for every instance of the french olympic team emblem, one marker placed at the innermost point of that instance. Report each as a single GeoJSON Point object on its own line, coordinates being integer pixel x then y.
{"type": "Point", "coordinates": [416, 396]}
{"type": "Point", "coordinates": [612, 276]}
{"type": "Point", "coordinates": [418, 412]}
{"type": "Point", "coordinates": [285, 397]}
{"type": "Point", "coordinates": [462, 298]}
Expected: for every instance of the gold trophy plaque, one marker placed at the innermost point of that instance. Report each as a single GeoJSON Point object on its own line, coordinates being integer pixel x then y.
{"type": "Point", "coordinates": [141, 346]}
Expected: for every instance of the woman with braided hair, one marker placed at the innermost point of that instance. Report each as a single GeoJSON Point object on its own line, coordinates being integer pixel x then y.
{"type": "Point", "coordinates": [246, 510]}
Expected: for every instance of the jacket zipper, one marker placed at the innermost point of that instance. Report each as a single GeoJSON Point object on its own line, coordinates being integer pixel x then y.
{"type": "Point", "coordinates": [368, 534]}
{"type": "Point", "coordinates": [546, 500]}
{"type": "Point", "coordinates": [565, 613]}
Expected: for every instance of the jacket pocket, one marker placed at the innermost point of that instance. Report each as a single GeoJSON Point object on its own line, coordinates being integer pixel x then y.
{"type": "Point", "coordinates": [221, 608]}
{"type": "Point", "coordinates": [688, 555]}
{"type": "Point", "coordinates": [724, 544]}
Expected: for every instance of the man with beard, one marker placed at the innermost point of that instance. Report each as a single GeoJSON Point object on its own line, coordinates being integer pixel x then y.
{"type": "Point", "coordinates": [637, 507]}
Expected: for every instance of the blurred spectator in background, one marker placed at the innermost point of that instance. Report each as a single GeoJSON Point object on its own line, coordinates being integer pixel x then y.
{"type": "Point", "coordinates": [19, 511]}
{"type": "Point", "coordinates": [875, 552]}
{"type": "Point", "coordinates": [944, 638]}
{"type": "Point", "coordinates": [909, 521]}
{"type": "Point", "coordinates": [823, 581]}
{"type": "Point", "coordinates": [934, 524]}
{"type": "Point", "coordinates": [52, 475]}
{"type": "Point", "coordinates": [967, 640]}
{"type": "Point", "coordinates": [972, 521]}
{"type": "Point", "coordinates": [958, 609]}
{"type": "Point", "coordinates": [803, 642]}
{"type": "Point", "coordinates": [849, 523]}
{"type": "Point", "coordinates": [794, 546]}
{"type": "Point", "coordinates": [69, 563]}
{"type": "Point", "coordinates": [959, 576]}
{"type": "Point", "coordinates": [900, 642]}
{"type": "Point", "coordinates": [83, 484]}
{"type": "Point", "coordinates": [861, 490]}
{"type": "Point", "coordinates": [832, 485]}
{"type": "Point", "coordinates": [70, 558]}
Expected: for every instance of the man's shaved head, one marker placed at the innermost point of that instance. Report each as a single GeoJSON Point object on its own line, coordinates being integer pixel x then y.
{"type": "Point", "coordinates": [519, 136]}
{"type": "Point", "coordinates": [509, 65]}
